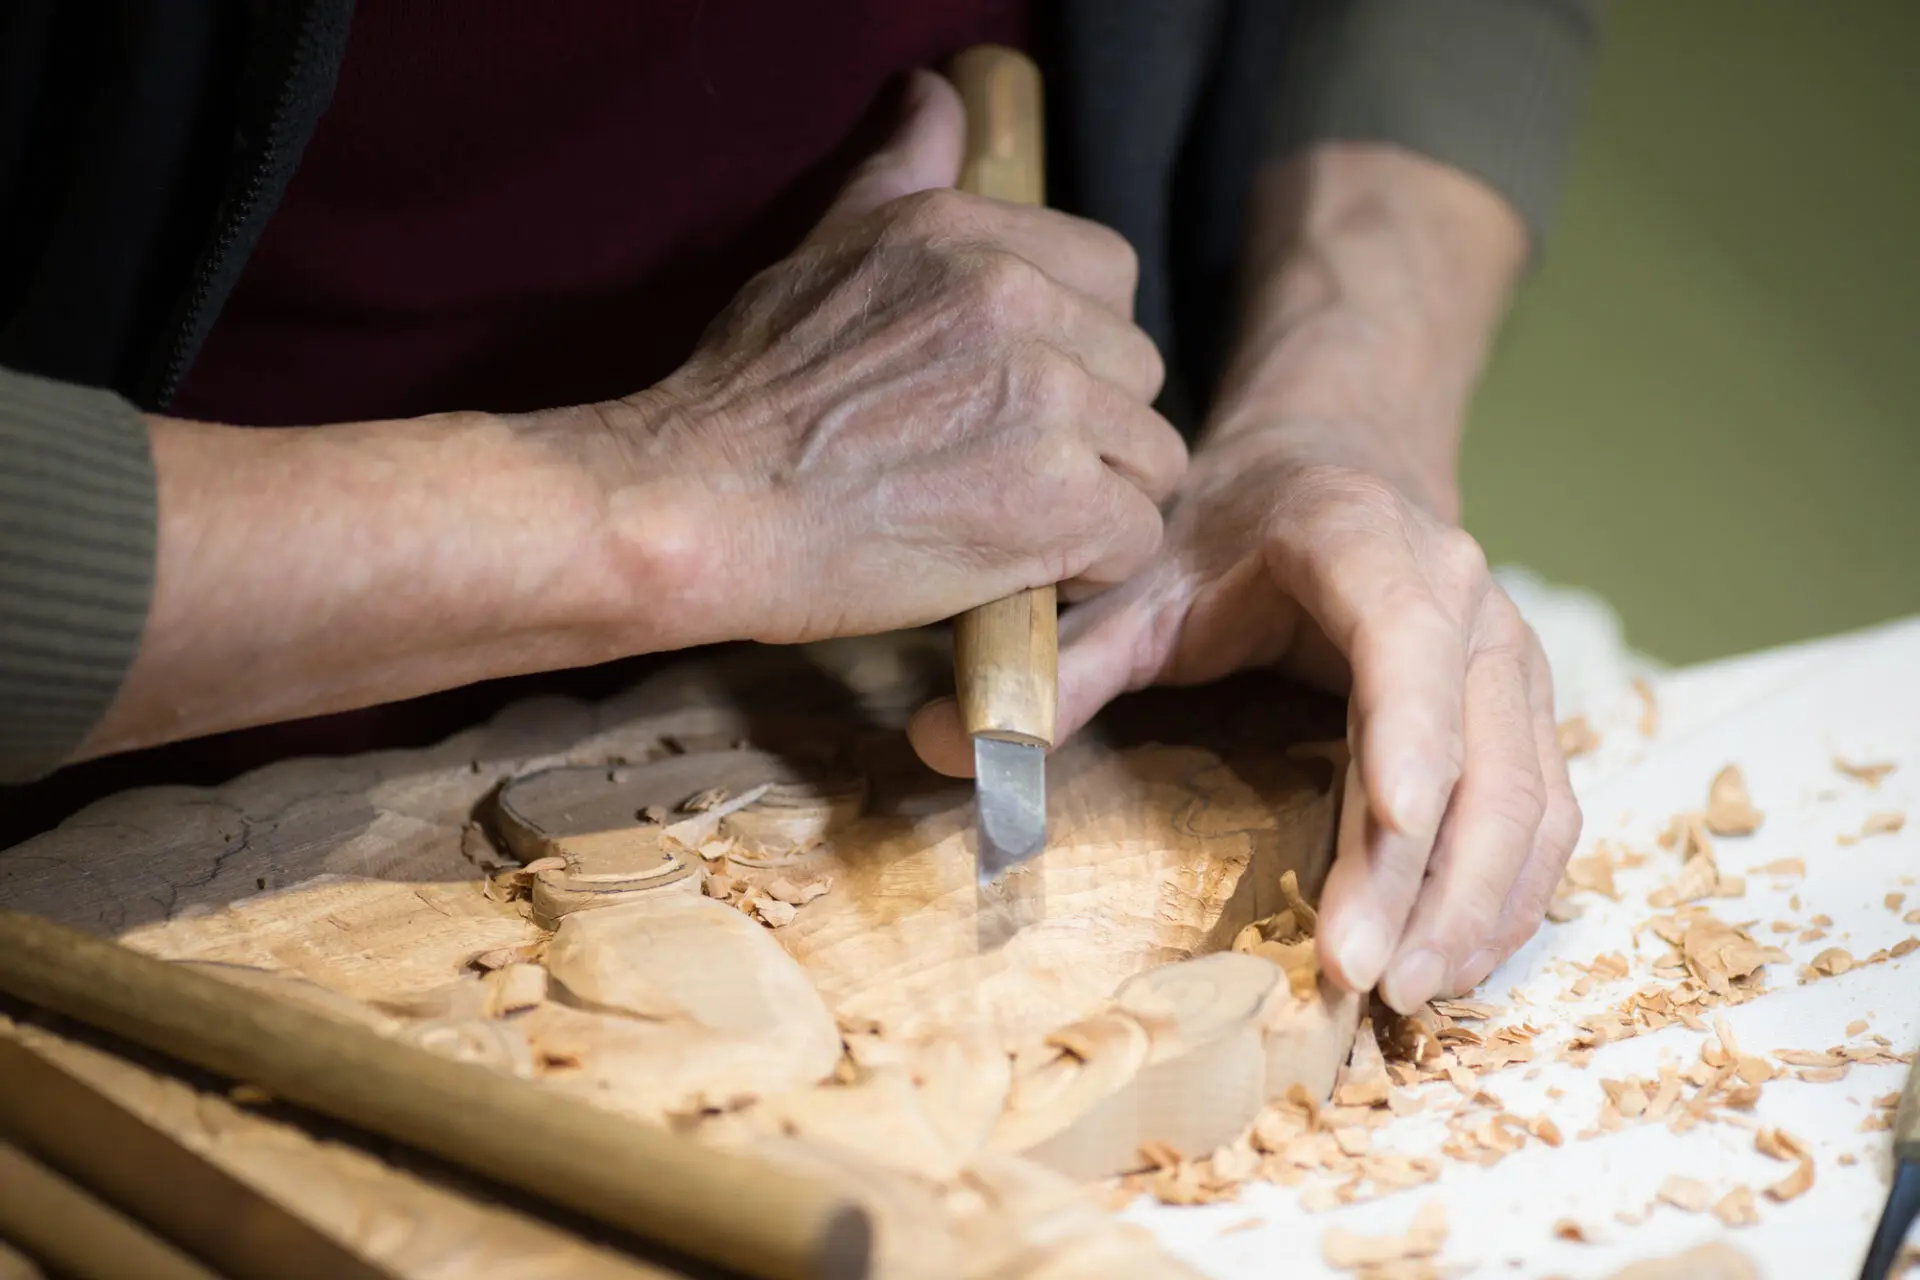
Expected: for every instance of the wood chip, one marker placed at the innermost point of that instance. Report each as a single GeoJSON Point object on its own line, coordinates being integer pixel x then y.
{"type": "Point", "coordinates": [1684, 1193]}
{"type": "Point", "coordinates": [1883, 824]}
{"type": "Point", "coordinates": [1715, 1261]}
{"type": "Point", "coordinates": [1577, 737]}
{"type": "Point", "coordinates": [1871, 774]}
{"type": "Point", "coordinates": [1649, 708]}
{"type": "Point", "coordinates": [701, 801]}
{"type": "Point", "coordinates": [1364, 1081]}
{"type": "Point", "coordinates": [1782, 1145]}
{"type": "Point", "coordinates": [1821, 1075]}
{"type": "Point", "coordinates": [1832, 962]}
{"type": "Point", "coordinates": [771, 912]}
{"type": "Point", "coordinates": [1736, 1208]}
{"type": "Point", "coordinates": [1568, 1229]}
{"type": "Point", "coordinates": [798, 895]}
{"type": "Point", "coordinates": [1855, 1027]}
{"type": "Point", "coordinates": [1784, 867]}
{"type": "Point", "coordinates": [1348, 1251]}
{"type": "Point", "coordinates": [1730, 810]}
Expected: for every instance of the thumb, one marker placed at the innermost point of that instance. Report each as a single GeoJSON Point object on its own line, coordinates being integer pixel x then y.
{"type": "Point", "coordinates": [1108, 646]}
{"type": "Point", "coordinates": [924, 152]}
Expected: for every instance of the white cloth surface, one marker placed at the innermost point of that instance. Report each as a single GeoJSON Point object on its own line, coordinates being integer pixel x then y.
{"type": "Point", "coordinates": [1783, 716]}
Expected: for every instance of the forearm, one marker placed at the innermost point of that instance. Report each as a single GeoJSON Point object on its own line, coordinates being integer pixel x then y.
{"type": "Point", "coordinates": [313, 570]}
{"type": "Point", "coordinates": [1375, 280]}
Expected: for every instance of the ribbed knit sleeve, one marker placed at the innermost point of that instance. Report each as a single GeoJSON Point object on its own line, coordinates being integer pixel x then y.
{"type": "Point", "coordinates": [77, 538]}
{"type": "Point", "coordinates": [1492, 87]}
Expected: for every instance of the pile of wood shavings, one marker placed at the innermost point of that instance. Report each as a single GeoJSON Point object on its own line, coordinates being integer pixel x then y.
{"type": "Point", "coordinates": [1335, 1153]}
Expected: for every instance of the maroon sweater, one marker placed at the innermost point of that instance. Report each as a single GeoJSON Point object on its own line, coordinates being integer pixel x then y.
{"type": "Point", "coordinates": [513, 206]}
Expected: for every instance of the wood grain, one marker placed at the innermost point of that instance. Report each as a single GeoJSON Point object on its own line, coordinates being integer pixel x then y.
{"type": "Point", "coordinates": [630, 1176]}
{"type": "Point", "coordinates": [356, 888]}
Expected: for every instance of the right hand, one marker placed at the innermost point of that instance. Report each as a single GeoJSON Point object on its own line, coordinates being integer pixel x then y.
{"type": "Point", "coordinates": [935, 401]}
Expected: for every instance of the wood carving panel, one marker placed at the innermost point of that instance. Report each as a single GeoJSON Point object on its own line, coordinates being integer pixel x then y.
{"type": "Point", "coordinates": [630, 958]}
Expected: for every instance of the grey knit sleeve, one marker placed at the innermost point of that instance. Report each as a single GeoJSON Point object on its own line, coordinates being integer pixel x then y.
{"type": "Point", "coordinates": [1492, 87]}
{"type": "Point", "coordinates": [77, 539]}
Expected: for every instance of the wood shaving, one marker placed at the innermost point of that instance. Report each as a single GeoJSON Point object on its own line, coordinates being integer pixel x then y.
{"type": "Point", "coordinates": [1714, 1261]}
{"type": "Point", "coordinates": [1736, 1208]}
{"type": "Point", "coordinates": [701, 801]}
{"type": "Point", "coordinates": [771, 912]}
{"type": "Point", "coordinates": [1363, 1081]}
{"type": "Point", "coordinates": [1830, 963]}
{"type": "Point", "coordinates": [1883, 824]}
{"type": "Point", "coordinates": [1568, 1229]}
{"type": "Point", "coordinates": [1782, 1145]}
{"type": "Point", "coordinates": [1730, 810]}
{"type": "Point", "coordinates": [1871, 774]}
{"type": "Point", "coordinates": [785, 890]}
{"type": "Point", "coordinates": [1687, 1194]}
{"type": "Point", "coordinates": [1347, 1251]}
{"type": "Point", "coordinates": [1576, 737]}
{"type": "Point", "coordinates": [1855, 1027]}
{"type": "Point", "coordinates": [1649, 708]}
{"type": "Point", "coordinates": [1784, 867]}
{"type": "Point", "coordinates": [1593, 873]}
{"type": "Point", "coordinates": [1894, 901]}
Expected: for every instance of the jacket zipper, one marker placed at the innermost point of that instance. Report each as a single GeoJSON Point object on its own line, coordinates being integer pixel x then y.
{"type": "Point", "coordinates": [240, 211]}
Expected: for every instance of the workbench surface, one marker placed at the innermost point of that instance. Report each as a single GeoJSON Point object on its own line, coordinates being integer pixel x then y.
{"type": "Point", "coordinates": [1783, 717]}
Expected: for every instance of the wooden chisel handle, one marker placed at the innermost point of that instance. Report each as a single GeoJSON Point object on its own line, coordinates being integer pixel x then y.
{"type": "Point", "coordinates": [1006, 653]}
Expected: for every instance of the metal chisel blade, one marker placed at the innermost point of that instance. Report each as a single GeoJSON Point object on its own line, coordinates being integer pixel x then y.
{"type": "Point", "coordinates": [1010, 787]}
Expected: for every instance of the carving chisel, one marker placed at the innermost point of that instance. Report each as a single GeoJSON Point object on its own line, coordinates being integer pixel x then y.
{"type": "Point", "coordinates": [1903, 1197]}
{"type": "Point", "coordinates": [1006, 652]}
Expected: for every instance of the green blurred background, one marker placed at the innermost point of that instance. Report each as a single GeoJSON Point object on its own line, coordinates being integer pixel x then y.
{"type": "Point", "coordinates": [1707, 404]}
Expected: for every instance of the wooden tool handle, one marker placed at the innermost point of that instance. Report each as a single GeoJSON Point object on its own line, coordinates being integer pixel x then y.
{"type": "Point", "coordinates": [64, 1227]}
{"type": "Point", "coordinates": [1006, 653]}
{"type": "Point", "coordinates": [636, 1177]}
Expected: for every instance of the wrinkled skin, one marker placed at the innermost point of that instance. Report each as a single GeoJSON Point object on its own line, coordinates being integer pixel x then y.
{"type": "Point", "coordinates": [1316, 529]}
{"type": "Point", "coordinates": [937, 400]}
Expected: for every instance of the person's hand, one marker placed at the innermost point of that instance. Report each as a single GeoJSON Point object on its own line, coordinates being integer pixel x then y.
{"type": "Point", "coordinates": [1344, 581]}
{"type": "Point", "coordinates": [937, 400]}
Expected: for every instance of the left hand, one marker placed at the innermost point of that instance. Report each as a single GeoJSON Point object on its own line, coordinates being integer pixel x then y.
{"type": "Point", "coordinates": [1316, 561]}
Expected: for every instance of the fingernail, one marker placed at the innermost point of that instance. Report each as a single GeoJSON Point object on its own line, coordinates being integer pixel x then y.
{"type": "Point", "coordinates": [1414, 980]}
{"type": "Point", "coordinates": [1416, 804]}
{"type": "Point", "coordinates": [1362, 953]}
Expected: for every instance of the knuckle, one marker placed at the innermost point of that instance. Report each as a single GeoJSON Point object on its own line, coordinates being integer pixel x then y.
{"type": "Point", "coordinates": [1005, 290]}
{"type": "Point", "coordinates": [1044, 385]}
{"type": "Point", "coordinates": [1520, 801]}
{"type": "Point", "coordinates": [1125, 260]}
{"type": "Point", "coordinates": [1459, 556]}
{"type": "Point", "coordinates": [1560, 828]}
{"type": "Point", "coordinates": [925, 215]}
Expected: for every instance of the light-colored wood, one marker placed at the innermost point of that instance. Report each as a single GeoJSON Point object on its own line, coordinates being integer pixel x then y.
{"type": "Point", "coordinates": [632, 1177]}
{"type": "Point", "coordinates": [1176, 815]}
{"type": "Point", "coordinates": [696, 1000]}
{"type": "Point", "coordinates": [1005, 157]}
{"type": "Point", "coordinates": [1007, 667]}
{"type": "Point", "coordinates": [15, 1265]}
{"type": "Point", "coordinates": [403, 1220]}
{"type": "Point", "coordinates": [159, 1183]}
{"type": "Point", "coordinates": [81, 1236]}
{"type": "Point", "coordinates": [1006, 652]}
